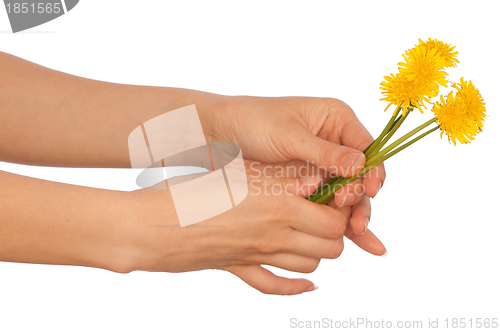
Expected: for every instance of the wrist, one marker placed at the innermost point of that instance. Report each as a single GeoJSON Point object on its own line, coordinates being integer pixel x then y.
{"type": "Point", "coordinates": [151, 231]}
{"type": "Point", "coordinates": [213, 110]}
{"type": "Point", "coordinates": [117, 246]}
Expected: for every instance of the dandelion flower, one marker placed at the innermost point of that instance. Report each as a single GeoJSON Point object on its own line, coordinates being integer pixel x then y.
{"type": "Point", "coordinates": [462, 115]}
{"type": "Point", "coordinates": [446, 51]}
{"type": "Point", "coordinates": [418, 79]}
{"type": "Point", "coordinates": [404, 93]}
{"type": "Point", "coordinates": [470, 96]}
{"type": "Point", "coordinates": [425, 67]}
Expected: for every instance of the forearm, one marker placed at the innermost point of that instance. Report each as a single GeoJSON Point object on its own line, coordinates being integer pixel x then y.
{"type": "Point", "coordinates": [53, 223]}
{"type": "Point", "coordinates": [56, 119]}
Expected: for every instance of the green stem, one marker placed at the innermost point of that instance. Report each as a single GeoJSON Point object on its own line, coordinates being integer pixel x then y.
{"type": "Point", "coordinates": [321, 190]}
{"type": "Point", "coordinates": [332, 181]}
{"type": "Point", "coordinates": [374, 162]}
{"type": "Point", "coordinates": [388, 127]}
{"type": "Point", "coordinates": [391, 133]}
{"type": "Point", "coordinates": [394, 123]}
{"type": "Point", "coordinates": [326, 197]}
{"type": "Point", "coordinates": [399, 141]}
{"type": "Point", "coordinates": [404, 146]}
{"type": "Point", "coordinates": [368, 147]}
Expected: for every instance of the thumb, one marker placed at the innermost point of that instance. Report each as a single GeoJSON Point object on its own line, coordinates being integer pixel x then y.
{"type": "Point", "coordinates": [335, 158]}
{"type": "Point", "coordinates": [267, 282]}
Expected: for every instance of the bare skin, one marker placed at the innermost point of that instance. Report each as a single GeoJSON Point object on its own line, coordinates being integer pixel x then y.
{"type": "Point", "coordinates": [56, 119]}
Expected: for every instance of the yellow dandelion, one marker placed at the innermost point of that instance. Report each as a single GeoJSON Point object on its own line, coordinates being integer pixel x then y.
{"type": "Point", "coordinates": [425, 67]}
{"type": "Point", "coordinates": [404, 93]}
{"type": "Point", "coordinates": [418, 78]}
{"type": "Point", "coordinates": [462, 115]}
{"type": "Point", "coordinates": [446, 51]}
{"type": "Point", "coordinates": [470, 96]}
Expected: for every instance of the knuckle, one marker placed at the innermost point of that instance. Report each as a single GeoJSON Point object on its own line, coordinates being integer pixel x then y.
{"type": "Point", "coordinates": [279, 208]}
{"type": "Point", "coordinates": [337, 105]}
{"type": "Point", "coordinates": [333, 103]}
{"type": "Point", "coordinates": [335, 249]}
{"type": "Point", "coordinates": [265, 247]}
{"type": "Point", "coordinates": [336, 226]}
{"type": "Point", "coordinates": [365, 143]}
{"type": "Point", "coordinates": [268, 245]}
{"type": "Point", "coordinates": [309, 266]}
{"type": "Point", "coordinates": [328, 152]}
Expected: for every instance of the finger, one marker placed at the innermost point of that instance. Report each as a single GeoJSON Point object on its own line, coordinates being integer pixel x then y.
{"type": "Point", "coordinates": [352, 132]}
{"type": "Point", "coordinates": [312, 246]}
{"type": "Point", "coordinates": [286, 261]}
{"type": "Point", "coordinates": [367, 241]}
{"type": "Point", "coordinates": [374, 180]}
{"type": "Point", "coordinates": [350, 194]}
{"type": "Point", "coordinates": [336, 159]}
{"type": "Point", "coordinates": [317, 220]}
{"type": "Point", "coordinates": [267, 282]}
{"type": "Point", "coordinates": [360, 217]}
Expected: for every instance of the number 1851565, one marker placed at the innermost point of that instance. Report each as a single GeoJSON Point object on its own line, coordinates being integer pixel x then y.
{"type": "Point", "coordinates": [40, 8]}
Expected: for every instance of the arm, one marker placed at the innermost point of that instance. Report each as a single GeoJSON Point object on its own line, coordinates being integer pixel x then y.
{"type": "Point", "coordinates": [56, 119]}
{"type": "Point", "coordinates": [53, 223]}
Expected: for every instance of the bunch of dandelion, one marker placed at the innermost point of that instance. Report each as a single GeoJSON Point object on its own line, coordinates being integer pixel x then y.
{"type": "Point", "coordinates": [460, 115]}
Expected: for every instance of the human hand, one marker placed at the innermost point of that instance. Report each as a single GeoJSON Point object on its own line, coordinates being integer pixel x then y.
{"type": "Point", "coordinates": [322, 131]}
{"type": "Point", "coordinates": [281, 230]}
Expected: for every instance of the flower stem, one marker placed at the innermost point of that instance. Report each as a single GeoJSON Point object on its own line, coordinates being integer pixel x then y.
{"type": "Point", "coordinates": [335, 179]}
{"type": "Point", "coordinates": [388, 127]}
{"type": "Point", "coordinates": [321, 190]}
{"type": "Point", "coordinates": [379, 158]}
{"type": "Point", "coordinates": [393, 130]}
{"type": "Point", "coordinates": [399, 141]}
{"type": "Point", "coordinates": [404, 146]}
{"type": "Point", "coordinates": [326, 197]}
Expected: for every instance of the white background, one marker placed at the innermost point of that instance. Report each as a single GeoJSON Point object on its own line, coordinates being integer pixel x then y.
{"type": "Point", "coordinates": [437, 213]}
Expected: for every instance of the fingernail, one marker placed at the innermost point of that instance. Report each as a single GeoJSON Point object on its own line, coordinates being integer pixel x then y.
{"type": "Point", "coordinates": [344, 200]}
{"type": "Point", "coordinates": [385, 253]}
{"type": "Point", "coordinates": [379, 186]}
{"type": "Point", "coordinates": [352, 161]}
{"type": "Point", "coordinates": [367, 220]}
{"type": "Point", "coordinates": [311, 288]}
